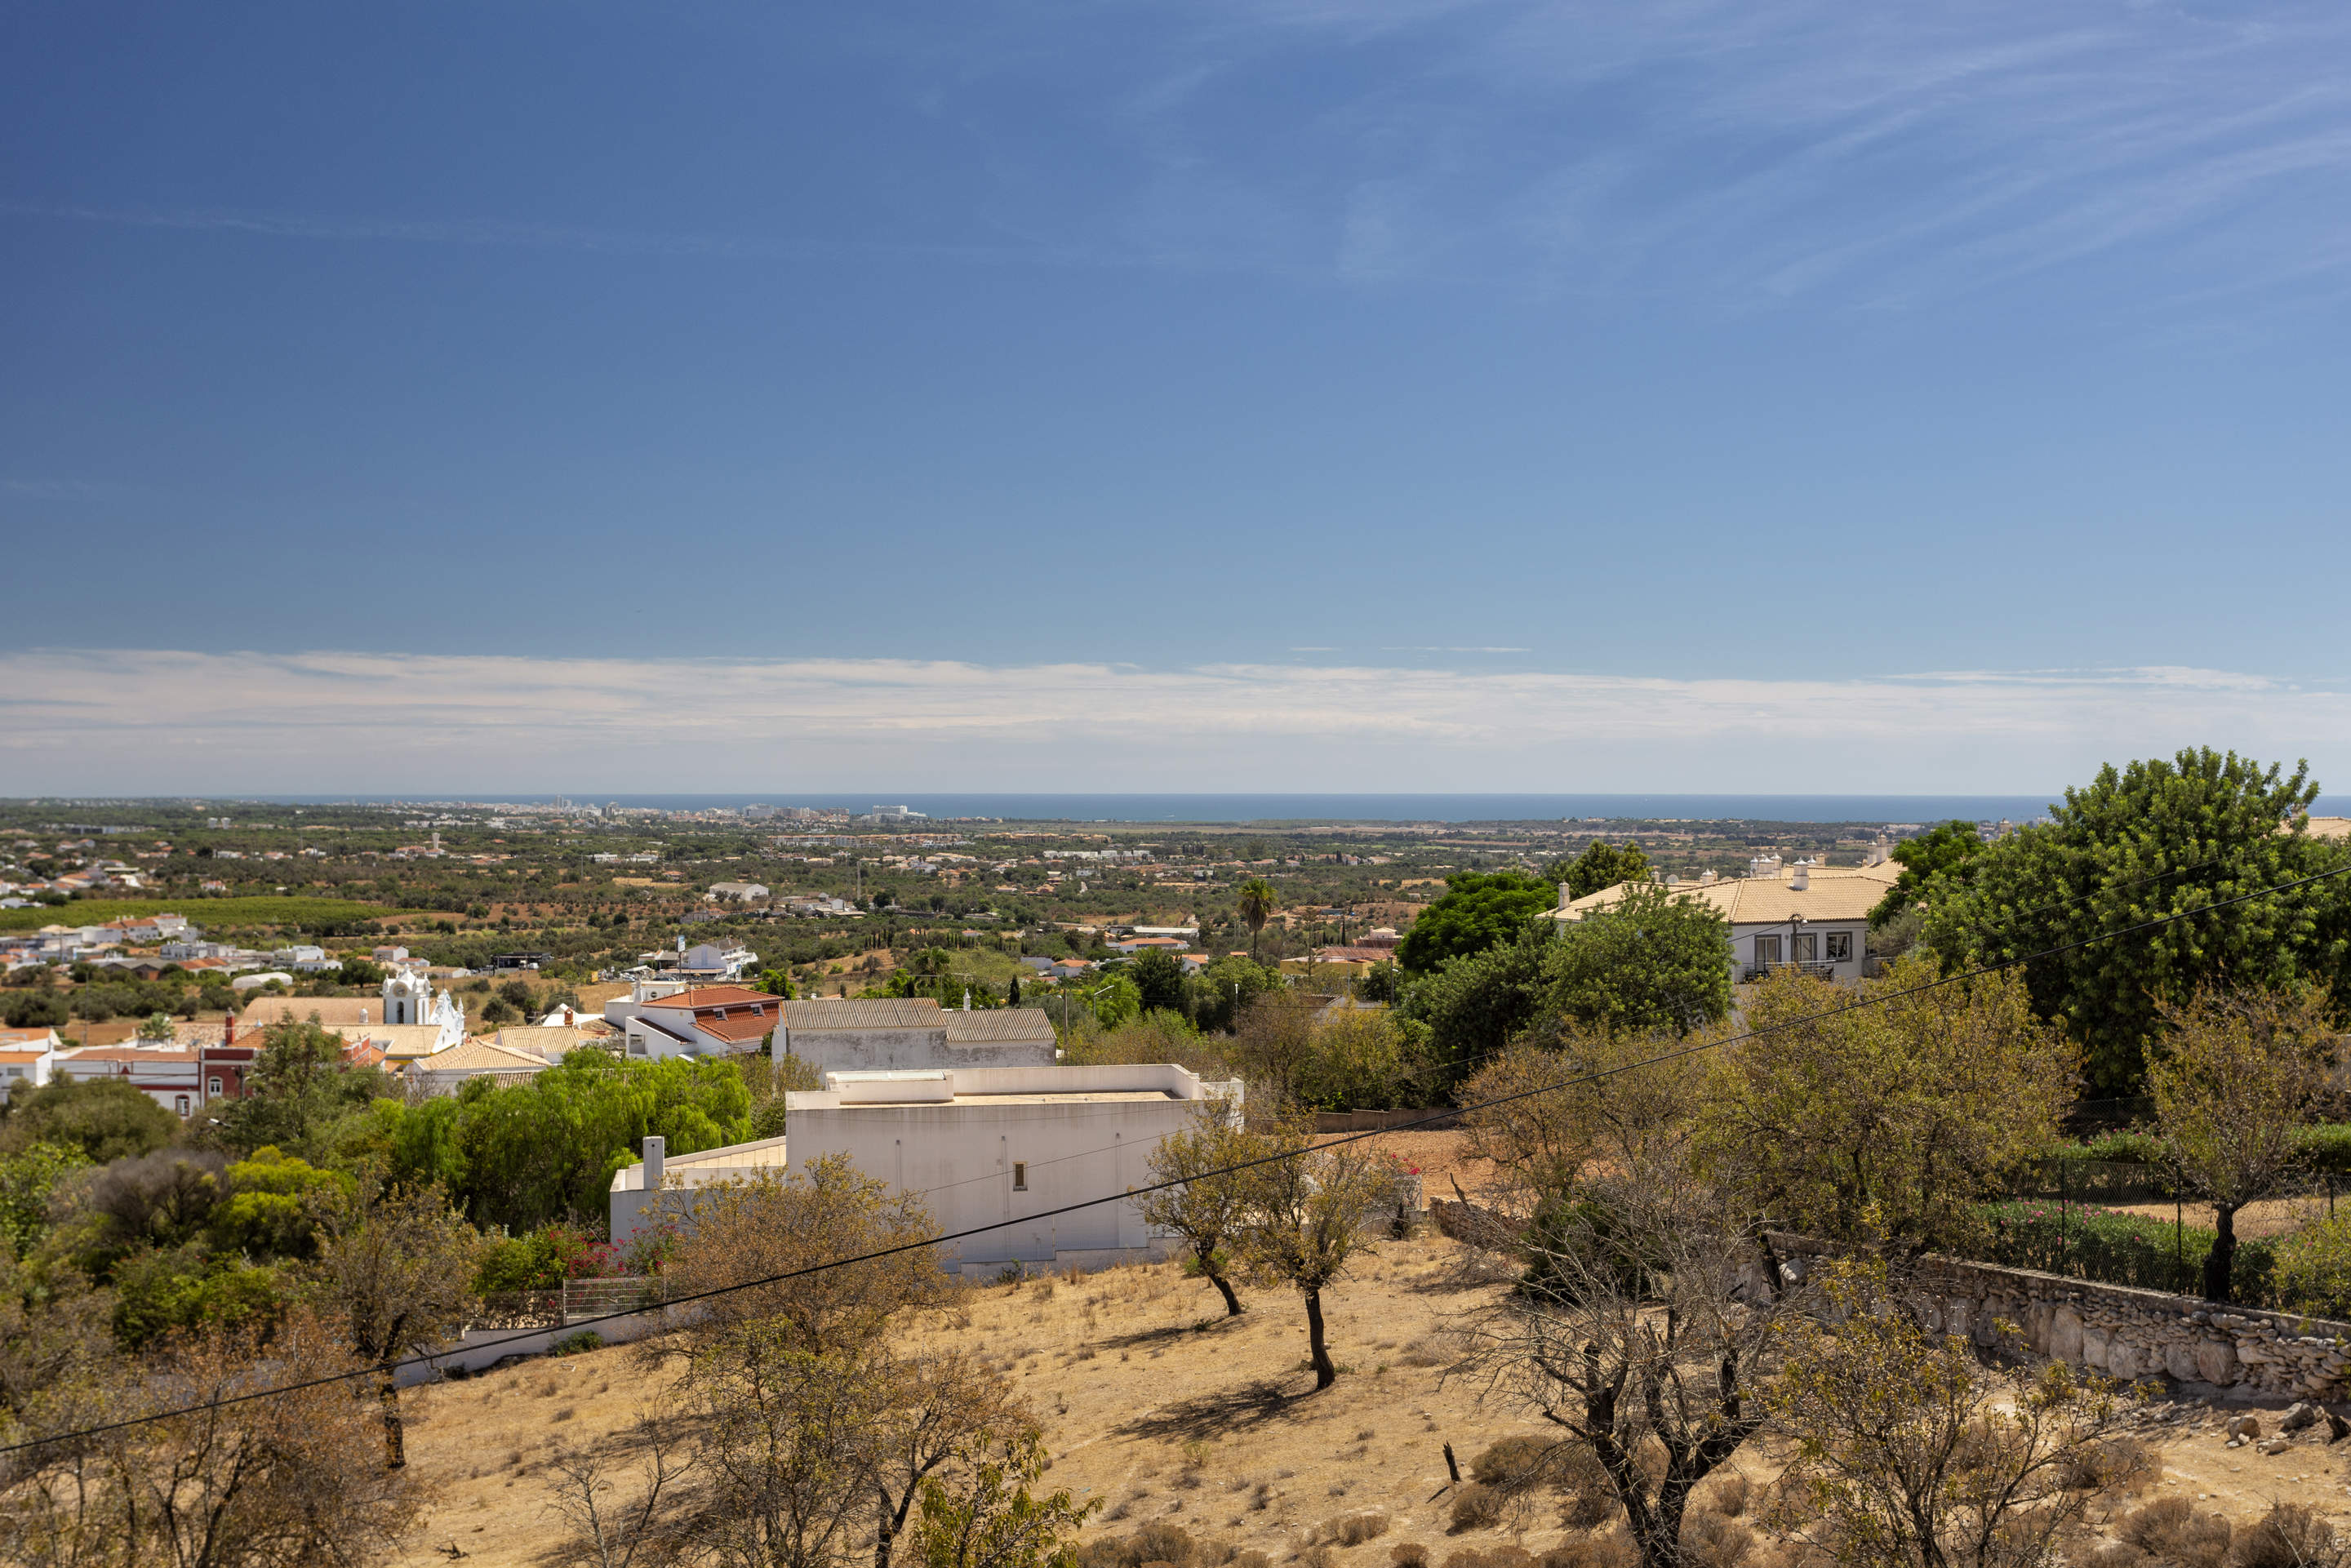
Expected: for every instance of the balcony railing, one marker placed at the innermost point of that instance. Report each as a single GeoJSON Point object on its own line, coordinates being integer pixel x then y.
{"type": "Point", "coordinates": [1818, 971]}
{"type": "Point", "coordinates": [576, 1300]}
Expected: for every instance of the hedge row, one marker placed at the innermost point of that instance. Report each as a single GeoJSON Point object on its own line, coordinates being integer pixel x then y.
{"type": "Point", "coordinates": [2119, 1249]}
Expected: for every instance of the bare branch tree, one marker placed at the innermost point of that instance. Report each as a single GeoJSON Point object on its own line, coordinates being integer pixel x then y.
{"type": "Point", "coordinates": [1912, 1453]}
{"type": "Point", "coordinates": [1642, 1320]}
{"type": "Point", "coordinates": [640, 1527]}
{"type": "Point", "coordinates": [773, 1225]}
{"type": "Point", "coordinates": [1209, 1211]}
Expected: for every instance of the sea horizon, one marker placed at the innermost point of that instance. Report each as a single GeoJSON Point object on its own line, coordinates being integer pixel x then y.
{"type": "Point", "coordinates": [1268, 807]}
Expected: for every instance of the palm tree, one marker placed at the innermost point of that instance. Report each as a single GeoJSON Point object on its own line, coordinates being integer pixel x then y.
{"type": "Point", "coordinates": [1254, 902]}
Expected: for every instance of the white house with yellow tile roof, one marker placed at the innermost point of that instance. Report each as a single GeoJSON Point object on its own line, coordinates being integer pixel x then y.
{"type": "Point", "coordinates": [1815, 915]}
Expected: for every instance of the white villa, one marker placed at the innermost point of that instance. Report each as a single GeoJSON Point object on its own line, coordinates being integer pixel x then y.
{"type": "Point", "coordinates": [989, 1146]}
{"type": "Point", "coordinates": [1812, 916]}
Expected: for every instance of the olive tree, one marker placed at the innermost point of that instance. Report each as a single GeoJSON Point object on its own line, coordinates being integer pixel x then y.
{"type": "Point", "coordinates": [1643, 1315]}
{"type": "Point", "coordinates": [2237, 1074]}
{"type": "Point", "coordinates": [1886, 1117]}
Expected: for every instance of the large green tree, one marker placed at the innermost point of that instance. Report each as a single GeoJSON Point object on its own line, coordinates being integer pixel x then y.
{"type": "Point", "coordinates": [525, 1154]}
{"type": "Point", "coordinates": [2152, 839]}
{"type": "Point", "coordinates": [1941, 855]}
{"type": "Point", "coordinates": [104, 1118]}
{"type": "Point", "coordinates": [1478, 910]}
{"type": "Point", "coordinates": [1477, 1004]}
{"type": "Point", "coordinates": [1159, 978]}
{"type": "Point", "coordinates": [299, 1092]}
{"type": "Point", "coordinates": [1601, 866]}
{"type": "Point", "coordinates": [1650, 963]}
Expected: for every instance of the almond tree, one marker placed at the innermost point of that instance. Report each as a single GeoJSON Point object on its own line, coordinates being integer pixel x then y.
{"type": "Point", "coordinates": [1912, 1452]}
{"type": "Point", "coordinates": [1307, 1213]}
{"type": "Point", "coordinates": [1209, 1209]}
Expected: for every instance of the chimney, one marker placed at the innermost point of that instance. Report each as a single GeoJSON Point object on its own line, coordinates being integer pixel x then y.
{"type": "Point", "coordinates": [1563, 899]}
{"type": "Point", "coordinates": [363, 1018]}
{"type": "Point", "coordinates": [1801, 878]}
{"type": "Point", "coordinates": [656, 1148]}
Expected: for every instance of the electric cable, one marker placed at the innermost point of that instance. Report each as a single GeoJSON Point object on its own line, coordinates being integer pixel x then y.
{"type": "Point", "coordinates": [1238, 1165]}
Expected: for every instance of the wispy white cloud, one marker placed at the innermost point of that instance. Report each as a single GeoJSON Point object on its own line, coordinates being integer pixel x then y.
{"type": "Point", "coordinates": [1775, 147]}
{"type": "Point", "coordinates": [151, 722]}
{"type": "Point", "coordinates": [1742, 150]}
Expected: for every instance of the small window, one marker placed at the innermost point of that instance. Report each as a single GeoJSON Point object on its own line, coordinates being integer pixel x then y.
{"type": "Point", "coordinates": [1840, 946]}
{"type": "Point", "coordinates": [180, 1103]}
{"type": "Point", "coordinates": [1020, 1176]}
{"type": "Point", "coordinates": [211, 1086]}
{"type": "Point", "coordinates": [1806, 947]}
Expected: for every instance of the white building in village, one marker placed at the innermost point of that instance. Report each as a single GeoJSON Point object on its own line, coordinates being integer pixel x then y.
{"type": "Point", "coordinates": [992, 1147]}
{"type": "Point", "coordinates": [1815, 916]}
{"type": "Point", "coordinates": [410, 1019]}
{"type": "Point", "coordinates": [875, 1034]}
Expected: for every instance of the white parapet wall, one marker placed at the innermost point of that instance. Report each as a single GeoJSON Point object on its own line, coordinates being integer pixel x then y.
{"type": "Point", "coordinates": [993, 1147]}
{"type": "Point", "coordinates": [1005, 1146]}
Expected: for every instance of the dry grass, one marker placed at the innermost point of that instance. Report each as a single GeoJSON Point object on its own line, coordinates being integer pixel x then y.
{"type": "Point", "coordinates": [1181, 1415]}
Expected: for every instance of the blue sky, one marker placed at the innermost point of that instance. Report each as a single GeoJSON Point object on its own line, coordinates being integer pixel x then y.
{"type": "Point", "coordinates": [1118, 395]}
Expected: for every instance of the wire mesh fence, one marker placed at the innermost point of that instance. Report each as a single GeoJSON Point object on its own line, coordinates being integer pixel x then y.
{"type": "Point", "coordinates": [2127, 1222]}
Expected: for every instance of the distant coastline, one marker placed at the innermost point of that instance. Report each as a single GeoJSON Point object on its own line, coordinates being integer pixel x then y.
{"type": "Point", "coordinates": [1308, 808]}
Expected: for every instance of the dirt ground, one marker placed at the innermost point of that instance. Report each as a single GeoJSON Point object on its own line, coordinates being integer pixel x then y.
{"type": "Point", "coordinates": [2271, 1217]}
{"type": "Point", "coordinates": [1137, 1375]}
{"type": "Point", "coordinates": [1438, 1157]}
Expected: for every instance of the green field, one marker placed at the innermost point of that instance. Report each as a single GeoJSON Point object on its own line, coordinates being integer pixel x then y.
{"type": "Point", "coordinates": [210, 914]}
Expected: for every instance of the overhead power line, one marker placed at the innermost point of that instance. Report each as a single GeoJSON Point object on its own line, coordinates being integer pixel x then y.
{"type": "Point", "coordinates": [1856, 1005]}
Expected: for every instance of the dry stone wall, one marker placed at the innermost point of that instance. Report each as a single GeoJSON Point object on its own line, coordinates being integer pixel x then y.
{"type": "Point", "coordinates": [2129, 1334]}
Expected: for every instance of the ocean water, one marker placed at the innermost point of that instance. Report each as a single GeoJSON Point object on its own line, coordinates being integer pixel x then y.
{"type": "Point", "coordinates": [1272, 808]}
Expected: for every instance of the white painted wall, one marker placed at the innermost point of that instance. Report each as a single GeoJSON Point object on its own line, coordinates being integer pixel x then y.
{"type": "Point", "coordinates": [960, 1152]}
{"type": "Point", "coordinates": [1744, 947]}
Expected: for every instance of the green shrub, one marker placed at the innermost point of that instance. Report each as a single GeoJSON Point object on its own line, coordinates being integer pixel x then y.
{"type": "Point", "coordinates": [159, 1290]}
{"type": "Point", "coordinates": [2327, 1147]}
{"type": "Point", "coordinates": [578, 1344]}
{"type": "Point", "coordinates": [2137, 1148]}
{"type": "Point", "coordinates": [542, 1260]}
{"type": "Point", "coordinates": [2117, 1249]}
{"type": "Point", "coordinates": [2313, 1268]}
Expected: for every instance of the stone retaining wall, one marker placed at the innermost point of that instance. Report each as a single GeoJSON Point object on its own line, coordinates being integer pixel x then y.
{"type": "Point", "coordinates": [2118, 1329]}
{"type": "Point", "coordinates": [2130, 1334]}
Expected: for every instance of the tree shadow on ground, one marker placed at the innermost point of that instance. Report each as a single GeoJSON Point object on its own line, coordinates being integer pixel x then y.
{"type": "Point", "coordinates": [1168, 1334]}
{"type": "Point", "coordinates": [1260, 1402]}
